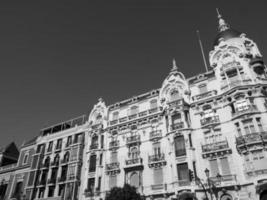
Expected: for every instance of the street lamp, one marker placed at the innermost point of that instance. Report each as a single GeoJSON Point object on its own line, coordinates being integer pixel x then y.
{"type": "Point", "coordinates": [207, 172]}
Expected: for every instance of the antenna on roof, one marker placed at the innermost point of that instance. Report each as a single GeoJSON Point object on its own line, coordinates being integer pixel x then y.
{"type": "Point", "coordinates": [202, 52]}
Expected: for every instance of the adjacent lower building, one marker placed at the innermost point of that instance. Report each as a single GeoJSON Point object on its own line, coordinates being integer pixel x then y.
{"type": "Point", "coordinates": [201, 137]}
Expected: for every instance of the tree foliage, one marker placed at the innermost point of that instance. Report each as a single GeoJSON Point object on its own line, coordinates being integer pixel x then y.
{"type": "Point", "coordinates": [128, 192]}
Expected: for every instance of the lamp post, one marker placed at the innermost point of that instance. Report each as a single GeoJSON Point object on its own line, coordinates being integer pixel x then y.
{"type": "Point", "coordinates": [207, 172]}
{"type": "Point", "coordinates": [202, 185]}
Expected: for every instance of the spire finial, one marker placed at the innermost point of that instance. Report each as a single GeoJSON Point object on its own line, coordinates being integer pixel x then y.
{"type": "Point", "coordinates": [174, 66]}
{"type": "Point", "coordinates": [222, 24]}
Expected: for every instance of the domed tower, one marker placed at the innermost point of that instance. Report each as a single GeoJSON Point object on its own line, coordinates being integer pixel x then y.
{"type": "Point", "coordinates": [235, 58]}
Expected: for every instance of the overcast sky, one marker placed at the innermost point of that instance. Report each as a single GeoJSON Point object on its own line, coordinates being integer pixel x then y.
{"type": "Point", "coordinates": [58, 58]}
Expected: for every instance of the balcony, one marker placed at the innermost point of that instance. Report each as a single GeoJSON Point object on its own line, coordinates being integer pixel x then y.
{"type": "Point", "coordinates": [221, 147]}
{"type": "Point", "coordinates": [204, 95]}
{"type": "Point", "coordinates": [55, 164]}
{"type": "Point", "coordinates": [249, 140]}
{"type": "Point", "coordinates": [114, 144]}
{"type": "Point", "coordinates": [210, 120]}
{"type": "Point", "coordinates": [113, 122]}
{"type": "Point", "coordinates": [153, 110]}
{"type": "Point", "coordinates": [159, 187]}
{"type": "Point", "coordinates": [88, 193]}
{"type": "Point", "coordinates": [183, 183]}
{"type": "Point", "coordinates": [113, 168]}
{"type": "Point", "coordinates": [58, 148]}
{"type": "Point", "coordinates": [94, 146]}
{"type": "Point", "coordinates": [250, 109]}
{"type": "Point", "coordinates": [133, 139]}
{"type": "Point", "coordinates": [52, 181]}
{"type": "Point", "coordinates": [155, 135]}
{"type": "Point", "coordinates": [45, 165]}
{"type": "Point", "coordinates": [131, 117]}
{"type": "Point", "coordinates": [42, 182]}
{"type": "Point", "coordinates": [235, 83]}
{"type": "Point", "coordinates": [133, 164]}
{"type": "Point", "coordinates": [135, 116]}
{"type": "Point", "coordinates": [177, 125]}
{"type": "Point", "coordinates": [224, 180]}
{"type": "Point", "coordinates": [64, 161]}
{"type": "Point", "coordinates": [62, 179]}
{"type": "Point", "coordinates": [156, 160]}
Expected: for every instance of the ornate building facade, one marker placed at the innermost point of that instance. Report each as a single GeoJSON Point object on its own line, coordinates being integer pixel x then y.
{"type": "Point", "coordinates": [199, 137]}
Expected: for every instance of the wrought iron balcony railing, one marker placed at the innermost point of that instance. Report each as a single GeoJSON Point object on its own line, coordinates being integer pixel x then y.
{"type": "Point", "coordinates": [245, 141]}
{"type": "Point", "coordinates": [248, 109]}
{"type": "Point", "coordinates": [210, 120]}
{"type": "Point", "coordinates": [177, 125]}
{"type": "Point", "coordinates": [94, 146]}
{"type": "Point", "coordinates": [214, 147]}
{"type": "Point", "coordinates": [112, 166]}
{"type": "Point", "coordinates": [155, 134]}
{"type": "Point", "coordinates": [114, 144]}
{"type": "Point", "coordinates": [133, 139]}
{"type": "Point", "coordinates": [133, 161]}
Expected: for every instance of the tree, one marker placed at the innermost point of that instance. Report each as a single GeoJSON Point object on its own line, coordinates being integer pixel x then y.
{"type": "Point", "coordinates": [128, 192]}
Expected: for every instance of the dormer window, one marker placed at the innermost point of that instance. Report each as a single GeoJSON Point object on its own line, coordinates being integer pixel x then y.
{"type": "Point", "coordinates": [98, 119]}
{"type": "Point", "coordinates": [153, 104]}
{"type": "Point", "coordinates": [202, 88]}
{"type": "Point", "coordinates": [133, 110]}
{"type": "Point", "coordinates": [174, 95]}
{"type": "Point", "coordinates": [115, 116]}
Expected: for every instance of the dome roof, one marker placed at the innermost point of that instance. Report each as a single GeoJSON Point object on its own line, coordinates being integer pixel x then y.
{"type": "Point", "coordinates": [226, 34]}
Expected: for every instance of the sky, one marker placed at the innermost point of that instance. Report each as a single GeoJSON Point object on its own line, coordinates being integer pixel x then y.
{"type": "Point", "coordinates": [58, 57]}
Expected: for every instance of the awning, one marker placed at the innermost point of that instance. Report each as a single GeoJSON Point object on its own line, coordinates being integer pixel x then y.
{"type": "Point", "coordinates": [186, 196]}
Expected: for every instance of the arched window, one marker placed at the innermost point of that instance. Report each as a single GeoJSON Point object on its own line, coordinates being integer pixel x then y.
{"type": "Point", "coordinates": [153, 104]}
{"type": "Point", "coordinates": [134, 179]}
{"type": "Point", "coordinates": [133, 110]}
{"type": "Point", "coordinates": [47, 161]}
{"type": "Point", "coordinates": [66, 156]}
{"type": "Point", "coordinates": [174, 95]}
{"type": "Point", "coordinates": [56, 159]}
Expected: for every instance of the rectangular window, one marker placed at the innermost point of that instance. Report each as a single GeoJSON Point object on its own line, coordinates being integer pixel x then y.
{"type": "Point", "coordinates": [50, 146]}
{"type": "Point", "coordinates": [214, 169]}
{"type": "Point", "coordinates": [71, 172]}
{"type": "Point", "coordinates": [156, 149]}
{"type": "Point", "coordinates": [31, 178]}
{"type": "Point", "coordinates": [100, 159]}
{"type": "Point", "coordinates": [179, 145]}
{"type": "Point", "coordinates": [225, 166]}
{"type": "Point", "coordinates": [249, 126]}
{"type": "Point", "coordinates": [25, 160]}
{"type": "Point", "coordinates": [99, 183]}
{"type": "Point", "coordinates": [259, 124]}
{"type": "Point", "coordinates": [182, 171]}
{"type": "Point", "coordinates": [74, 154]}
{"type": "Point", "coordinates": [114, 157]}
{"type": "Point", "coordinates": [112, 181]}
{"type": "Point", "coordinates": [68, 141]}
{"type": "Point", "coordinates": [102, 141]}
{"type": "Point", "coordinates": [91, 184]}
{"type": "Point", "coordinates": [59, 144]}
{"type": "Point", "coordinates": [51, 191]}
{"type": "Point", "coordinates": [92, 165]}
{"type": "Point", "coordinates": [158, 176]}
{"type": "Point", "coordinates": [176, 118]}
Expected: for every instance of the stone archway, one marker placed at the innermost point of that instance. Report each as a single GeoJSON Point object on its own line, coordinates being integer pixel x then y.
{"type": "Point", "coordinates": [263, 195]}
